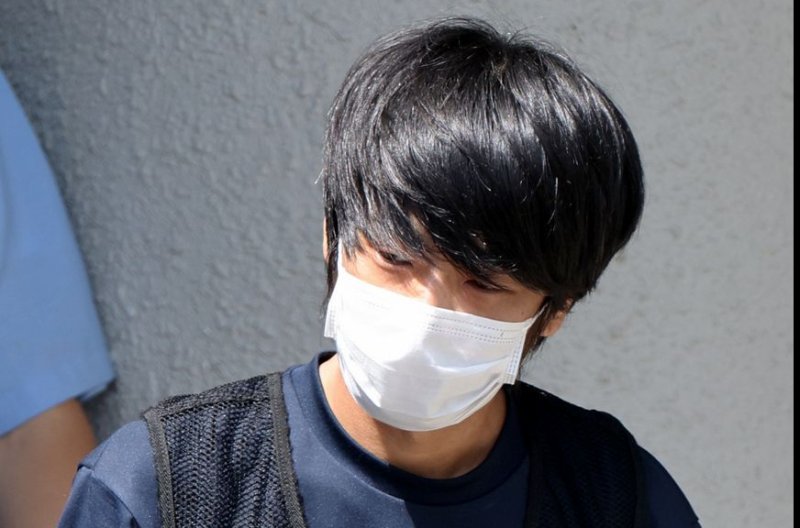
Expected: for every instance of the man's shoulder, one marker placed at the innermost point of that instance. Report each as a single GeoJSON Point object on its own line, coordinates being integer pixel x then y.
{"type": "Point", "coordinates": [128, 451]}
{"type": "Point", "coordinates": [585, 436]}
{"type": "Point", "coordinates": [257, 388]}
{"type": "Point", "coordinates": [538, 404]}
{"type": "Point", "coordinates": [246, 416]}
{"type": "Point", "coordinates": [128, 446]}
{"type": "Point", "coordinates": [115, 481]}
{"type": "Point", "coordinates": [232, 443]}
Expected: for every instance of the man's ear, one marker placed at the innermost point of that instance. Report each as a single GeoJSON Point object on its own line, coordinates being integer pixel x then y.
{"type": "Point", "coordinates": [555, 322]}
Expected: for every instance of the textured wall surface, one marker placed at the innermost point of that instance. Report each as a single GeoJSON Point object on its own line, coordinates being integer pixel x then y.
{"type": "Point", "coordinates": [186, 137]}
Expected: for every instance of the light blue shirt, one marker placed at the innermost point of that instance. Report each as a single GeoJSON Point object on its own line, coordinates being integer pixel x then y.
{"type": "Point", "coordinates": [51, 344]}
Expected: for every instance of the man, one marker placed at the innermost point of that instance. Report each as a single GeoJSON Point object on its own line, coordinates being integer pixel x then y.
{"type": "Point", "coordinates": [476, 185]}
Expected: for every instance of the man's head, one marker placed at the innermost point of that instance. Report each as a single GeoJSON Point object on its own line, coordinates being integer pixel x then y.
{"type": "Point", "coordinates": [493, 151]}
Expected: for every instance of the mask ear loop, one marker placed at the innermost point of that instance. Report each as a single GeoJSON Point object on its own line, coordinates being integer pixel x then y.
{"type": "Point", "coordinates": [512, 371]}
{"type": "Point", "coordinates": [334, 301]}
{"type": "Point", "coordinates": [330, 317]}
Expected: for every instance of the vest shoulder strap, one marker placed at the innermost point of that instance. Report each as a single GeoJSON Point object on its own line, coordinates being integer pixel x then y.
{"type": "Point", "coordinates": [584, 465]}
{"type": "Point", "coordinates": [223, 458]}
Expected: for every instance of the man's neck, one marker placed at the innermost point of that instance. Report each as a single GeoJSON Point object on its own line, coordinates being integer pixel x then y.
{"type": "Point", "coordinates": [444, 453]}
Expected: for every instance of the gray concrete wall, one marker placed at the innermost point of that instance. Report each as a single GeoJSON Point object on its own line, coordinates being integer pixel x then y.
{"type": "Point", "coordinates": [186, 139]}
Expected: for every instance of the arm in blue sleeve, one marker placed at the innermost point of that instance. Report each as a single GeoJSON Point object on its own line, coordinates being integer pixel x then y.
{"type": "Point", "coordinates": [51, 345]}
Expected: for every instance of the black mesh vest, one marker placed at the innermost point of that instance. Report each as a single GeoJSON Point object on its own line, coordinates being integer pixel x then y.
{"type": "Point", "coordinates": [223, 460]}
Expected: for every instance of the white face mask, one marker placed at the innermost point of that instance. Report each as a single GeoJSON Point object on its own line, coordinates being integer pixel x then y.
{"type": "Point", "coordinates": [415, 366]}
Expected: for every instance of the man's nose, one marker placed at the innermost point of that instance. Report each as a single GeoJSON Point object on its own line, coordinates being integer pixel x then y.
{"type": "Point", "coordinates": [441, 287]}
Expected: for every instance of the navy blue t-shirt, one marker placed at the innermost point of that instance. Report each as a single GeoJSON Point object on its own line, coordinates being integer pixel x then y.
{"type": "Point", "coordinates": [341, 484]}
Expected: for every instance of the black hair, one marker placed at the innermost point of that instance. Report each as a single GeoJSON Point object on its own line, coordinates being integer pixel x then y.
{"type": "Point", "coordinates": [494, 145]}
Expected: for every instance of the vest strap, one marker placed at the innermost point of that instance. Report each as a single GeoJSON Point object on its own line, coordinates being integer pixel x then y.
{"type": "Point", "coordinates": [283, 450]}
{"type": "Point", "coordinates": [255, 410]}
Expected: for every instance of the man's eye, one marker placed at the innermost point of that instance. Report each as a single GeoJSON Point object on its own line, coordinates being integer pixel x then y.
{"type": "Point", "coordinates": [479, 285]}
{"type": "Point", "coordinates": [394, 260]}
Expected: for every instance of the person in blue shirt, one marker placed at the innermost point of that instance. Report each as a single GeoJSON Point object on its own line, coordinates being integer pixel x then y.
{"type": "Point", "coordinates": [52, 352]}
{"type": "Point", "coordinates": [475, 187]}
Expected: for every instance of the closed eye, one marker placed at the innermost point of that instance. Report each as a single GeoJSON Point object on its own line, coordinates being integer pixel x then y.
{"type": "Point", "coordinates": [485, 287]}
{"type": "Point", "coordinates": [394, 260]}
